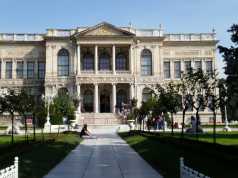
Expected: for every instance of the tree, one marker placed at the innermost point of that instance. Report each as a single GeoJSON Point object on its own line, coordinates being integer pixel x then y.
{"type": "Point", "coordinates": [186, 100]}
{"type": "Point", "coordinates": [40, 113]}
{"type": "Point", "coordinates": [168, 101]}
{"type": "Point", "coordinates": [62, 106]}
{"type": "Point", "coordinates": [11, 102]}
{"type": "Point", "coordinates": [230, 56]}
{"type": "Point", "coordinates": [172, 101]}
{"type": "Point", "coordinates": [198, 83]}
{"type": "Point", "coordinates": [214, 100]}
{"type": "Point", "coordinates": [25, 107]}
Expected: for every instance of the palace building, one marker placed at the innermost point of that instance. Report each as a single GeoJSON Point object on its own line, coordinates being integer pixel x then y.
{"type": "Point", "coordinates": [103, 65]}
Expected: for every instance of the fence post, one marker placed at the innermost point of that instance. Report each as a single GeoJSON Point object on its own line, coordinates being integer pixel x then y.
{"type": "Point", "coordinates": [16, 161]}
{"type": "Point", "coordinates": [181, 167]}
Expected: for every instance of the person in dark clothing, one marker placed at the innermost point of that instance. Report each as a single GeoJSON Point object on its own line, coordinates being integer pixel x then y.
{"type": "Point", "coordinates": [84, 131]}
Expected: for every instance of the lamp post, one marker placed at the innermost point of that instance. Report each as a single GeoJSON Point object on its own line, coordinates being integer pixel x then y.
{"type": "Point", "coordinates": [48, 100]}
{"type": "Point", "coordinates": [226, 128]}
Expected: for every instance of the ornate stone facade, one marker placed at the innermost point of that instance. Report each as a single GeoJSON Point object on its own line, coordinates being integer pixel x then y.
{"type": "Point", "coordinates": [103, 65]}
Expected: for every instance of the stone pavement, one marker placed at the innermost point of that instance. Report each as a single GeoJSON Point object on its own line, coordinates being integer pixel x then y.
{"type": "Point", "coordinates": [106, 156]}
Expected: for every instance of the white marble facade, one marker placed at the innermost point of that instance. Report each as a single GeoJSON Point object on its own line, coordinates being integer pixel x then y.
{"type": "Point", "coordinates": [103, 65]}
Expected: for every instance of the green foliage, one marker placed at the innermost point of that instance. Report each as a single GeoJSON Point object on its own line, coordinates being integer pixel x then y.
{"type": "Point", "coordinates": [40, 111]}
{"type": "Point", "coordinates": [62, 106]}
{"type": "Point", "coordinates": [26, 103]}
{"type": "Point", "coordinates": [230, 56]}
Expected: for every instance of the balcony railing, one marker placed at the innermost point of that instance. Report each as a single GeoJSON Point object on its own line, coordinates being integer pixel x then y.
{"type": "Point", "coordinates": [191, 37]}
{"type": "Point", "coordinates": [20, 37]}
{"type": "Point", "coordinates": [87, 71]}
{"type": "Point", "coordinates": [105, 71]}
{"type": "Point", "coordinates": [122, 72]}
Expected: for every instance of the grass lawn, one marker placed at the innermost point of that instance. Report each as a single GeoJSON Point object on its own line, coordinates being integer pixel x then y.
{"type": "Point", "coordinates": [37, 158]}
{"type": "Point", "coordinates": [163, 152]}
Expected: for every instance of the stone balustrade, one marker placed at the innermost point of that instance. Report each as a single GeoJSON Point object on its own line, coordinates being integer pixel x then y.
{"type": "Point", "coordinates": [190, 37]}
{"type": "Point", "coordinates": [60, 32]}
{"type": "Point", "coordinates": [148, 32]}
{"type": "Point", "coordinates": [20, 37]}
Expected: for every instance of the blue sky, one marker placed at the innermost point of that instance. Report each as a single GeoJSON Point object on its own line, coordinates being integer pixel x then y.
{"type": "Point", "coordinates": [175, 15]}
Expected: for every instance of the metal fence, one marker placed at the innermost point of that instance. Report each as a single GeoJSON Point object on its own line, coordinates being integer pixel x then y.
{"type": "Point", "coordinates": [11, 171]}
{"type": "Point", "coordinates": [187, 172]}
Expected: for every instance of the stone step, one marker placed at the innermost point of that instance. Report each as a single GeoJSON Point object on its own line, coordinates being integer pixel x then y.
{"type": "Point", "coordinates": [99, 119]}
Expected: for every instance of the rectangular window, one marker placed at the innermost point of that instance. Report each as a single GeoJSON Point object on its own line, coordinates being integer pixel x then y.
{"type": "Point", "coordinates": [209, 67]}
{"type": "Point", "coordinates": [166, 70]}
{"type": "Point", "coordinates": [19, 69]}
{"type": "Point", "coordinates": [198, 65]}
{"type": "Point", "coordinates": [187, 66]}
{"type": "Point", "coordinates": [8, 70]}
{"type": "Point", "coordinates": [177, 69]}
{"type": "Point", "coordinates": [30, 70]}
{"type": "Point", "coordinates": [41, 70]}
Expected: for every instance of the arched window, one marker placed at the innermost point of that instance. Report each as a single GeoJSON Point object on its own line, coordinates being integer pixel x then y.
{"type": "Point", "coordinates": [146, 62]}
{"type": "Point", "coordinates": [88, 62]}
{"type": "Point", "coordinates": [146, 94]}
{"type": "Point", "coordinates": [88, 101]}
{"type": "Point", "coordinates": [63, 62]}
{"type": "Point", "coordinates": [104, 61]}
{"type": "Point", "coordinates": [121, 97]}
{"type": "Point", "coordinates": [121, 62]}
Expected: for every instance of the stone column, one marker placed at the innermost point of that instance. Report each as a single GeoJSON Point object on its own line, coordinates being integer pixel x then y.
{"type": "Point", "coordinates": [96, 59]}
{"type": "Point", "coordinates": [79, 98]}
{"type": "Point", "coordinates": [48, 62]}
{"type": "Point", "coordinates": [36, 69]}
{"type": "Point", "coordinates": [132, 91]}
{"type": "Point", "coordinates": [203, 65]}
{"type": "Point", "coordinates": [113, 59]}
{"type": "Point", "coordinates": [172, 68]}
{"type": "Point", "coordinates": [96, 98]}
{"type": "Point", "coordinates": [182, 67]}
{"type": "Point", "coordinates": [25, 69]}
{"type": "Point", "coordinates": [114, 98]}
{"type": "Point", "coordinates": [14, 68]}
{"type": "Point", "coordinates": [131, 63]}
{"type": "Point", "coordinates": [3, 69]}
{"type": "Point", "coordinates": [78, 60]}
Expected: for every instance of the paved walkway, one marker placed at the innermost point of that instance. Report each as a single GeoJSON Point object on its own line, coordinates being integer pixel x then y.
{"type": "Point", "coordinates": [107, 156]}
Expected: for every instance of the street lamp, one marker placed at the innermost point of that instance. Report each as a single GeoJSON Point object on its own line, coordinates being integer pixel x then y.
{"type": "Point", "coordinates": [226, 128]}
{"type": "Point", "coordinates": [48, 100]}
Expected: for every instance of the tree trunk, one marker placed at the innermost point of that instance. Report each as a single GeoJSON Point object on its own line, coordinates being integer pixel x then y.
{"type": "Point", "coordinates": [58, 130]}
{"type": "Point", "coordinates": [26, 135]}
{"type": "Point", "coordinates": [172, 124]}
{"type": "Point", "coordinates": [34, 127]}
{"type": "Point", "coordinates": [42, 134]}
{"type": "Point", "coordinates": [197, 119]}
{"type": "Point", "coordinates": [183, 123]}
{"type": "Point", "coordinates": [12, 117]}
{"type": "Point", "coordinates": [214, 127]}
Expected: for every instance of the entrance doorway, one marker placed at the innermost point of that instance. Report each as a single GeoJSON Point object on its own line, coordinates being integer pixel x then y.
{"type": "Point", "coordinates": [105, 102]}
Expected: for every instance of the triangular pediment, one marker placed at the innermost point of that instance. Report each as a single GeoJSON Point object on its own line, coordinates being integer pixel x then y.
{"type": "Point", "coordinates": [104, 29]}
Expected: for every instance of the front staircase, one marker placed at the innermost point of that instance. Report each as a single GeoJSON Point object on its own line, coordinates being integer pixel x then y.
{"type": "Point", "coordinates": [97, 119]}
